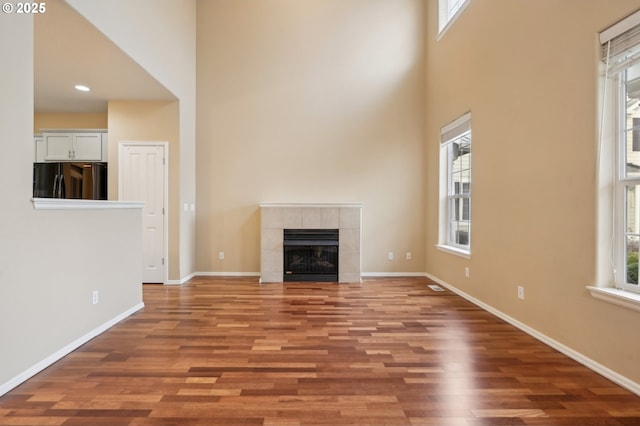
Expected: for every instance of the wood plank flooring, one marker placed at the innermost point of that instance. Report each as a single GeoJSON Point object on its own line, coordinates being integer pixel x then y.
{"type": "Point", "coordinates": [387, 351]}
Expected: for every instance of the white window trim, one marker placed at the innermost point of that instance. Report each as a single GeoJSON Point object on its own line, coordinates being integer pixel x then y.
{"type": "Point", "coordinates": [606, 288]}
{"type": "Point", "coordinates": [451, 20]}
{"type": "Point", "coordinates": [458, 127]}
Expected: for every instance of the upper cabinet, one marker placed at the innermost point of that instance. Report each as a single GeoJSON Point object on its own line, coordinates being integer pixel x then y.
{"type": "Point", "coordinates": [71, 146]}
{"type": "Point", "coordinates": [38, 139]}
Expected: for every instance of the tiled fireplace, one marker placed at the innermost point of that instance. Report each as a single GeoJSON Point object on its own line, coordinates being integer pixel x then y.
{"type": "Point", "coordinates": [275, 218]}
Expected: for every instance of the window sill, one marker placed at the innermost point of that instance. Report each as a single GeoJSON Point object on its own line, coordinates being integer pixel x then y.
{"type": "Point", "coordinates": [626, 299]}
{"type": "Point", "coordinates": [454, 250]}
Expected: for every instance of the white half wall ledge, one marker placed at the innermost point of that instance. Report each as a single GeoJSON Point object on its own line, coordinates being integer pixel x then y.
{"type": "Point", "coordinates": [66, 204]}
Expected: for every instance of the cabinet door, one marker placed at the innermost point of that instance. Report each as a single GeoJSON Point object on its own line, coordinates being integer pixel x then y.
{"type": "Point", "coordinates": [58, 146]}
{"type": "Point", "coordinates": [87, 146]}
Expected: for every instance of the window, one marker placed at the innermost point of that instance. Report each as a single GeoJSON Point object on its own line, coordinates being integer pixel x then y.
{"type": "Point", "coordinates": [621, 54]}
{"type": "Point", "coordinates": [448, 11]}
{"type": "Point", "coordinates": [455, 185]}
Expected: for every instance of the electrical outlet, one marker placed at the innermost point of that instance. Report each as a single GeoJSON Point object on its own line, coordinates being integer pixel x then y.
{"type": "Point", "coordinates": [390, 255]}
{"type": "Point", "coordinates": [96, 297]}
{"type": "Point", "coordinates": [221, 255]}
{"type": "Point", "coordinates": [520, 292]}
{"type": "Point", "coordinates": [466, 271]}
{"type": "Point", "coordinates": [408, 255]}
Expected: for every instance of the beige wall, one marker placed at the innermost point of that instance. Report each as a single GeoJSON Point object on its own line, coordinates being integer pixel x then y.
{"type": "Point", "coordinates": [160, 35]}
{"type": "Point", "coordinates": [310, 101]}
{"type": "Point", "coordinates": [155, 121]}
{"type": "Point", "coordinates": [527, 71]}
{"type": "Point", "coordinates": [51, 261]}
{"type": "Point", "coordinates": [64, 120]}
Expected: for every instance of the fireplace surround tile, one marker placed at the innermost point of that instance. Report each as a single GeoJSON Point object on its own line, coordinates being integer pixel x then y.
{"type": "Point", "coordinates": [275, 217]}
{"type": "Point", "coordinates": [350, 239]}
{"type": "Point", "coordinates": [350, 218]}
{"type": "Point", "coordinates": [292, 218]}
{"type": "Point", "coordinates": [320, 218]}
{"type": "Point", "coordinates": [348, 263]}
{"type": "Point", "coordinates": [272, 239]}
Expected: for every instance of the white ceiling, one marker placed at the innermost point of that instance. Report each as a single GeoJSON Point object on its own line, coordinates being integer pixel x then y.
{"type": "Point", "coordinates": [68, 50]}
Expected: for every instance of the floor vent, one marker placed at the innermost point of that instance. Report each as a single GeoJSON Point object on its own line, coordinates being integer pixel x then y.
{"type": "Point", "coordinates": [435, 287]}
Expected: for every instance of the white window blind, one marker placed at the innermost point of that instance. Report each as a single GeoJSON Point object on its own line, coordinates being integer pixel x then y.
{"type": "Point", "coordinates": [621, 43]}
{"type": "Point", "coordinates": [456, 128]}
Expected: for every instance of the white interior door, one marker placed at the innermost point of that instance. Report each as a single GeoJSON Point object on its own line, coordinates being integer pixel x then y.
{"type": "Point", "coordinates": [142, 170]}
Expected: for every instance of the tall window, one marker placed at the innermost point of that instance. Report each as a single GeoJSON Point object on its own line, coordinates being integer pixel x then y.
{"type": "Point", "coordinates": [621, 54]}
{"type": "Point", "coordinates": [455, 161]}
{"type": "Point", "coordinates": [448, 10]}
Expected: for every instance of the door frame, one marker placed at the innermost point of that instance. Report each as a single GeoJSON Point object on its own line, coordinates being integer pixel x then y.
{"type": "Point", "coordinates": [165, 166]}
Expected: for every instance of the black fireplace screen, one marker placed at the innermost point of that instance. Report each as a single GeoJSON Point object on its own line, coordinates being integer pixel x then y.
{"type": "Point", "coordinates": [311, 255]}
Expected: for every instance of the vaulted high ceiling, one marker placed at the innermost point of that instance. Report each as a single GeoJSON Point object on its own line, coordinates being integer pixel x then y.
{"type": "Point", "coordinates": [68, 50]}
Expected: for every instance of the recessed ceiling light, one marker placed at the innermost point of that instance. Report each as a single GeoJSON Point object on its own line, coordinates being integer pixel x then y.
{"type": "Point", "coordinates": [82, 88]}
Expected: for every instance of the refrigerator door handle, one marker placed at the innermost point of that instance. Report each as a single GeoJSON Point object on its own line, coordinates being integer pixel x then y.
{"type": "Point", "coordinates": [95, 182]}
{"type": "Point", "coordinates": [61, 188]}
{"type": "Point", "coordinates": [55, 186]}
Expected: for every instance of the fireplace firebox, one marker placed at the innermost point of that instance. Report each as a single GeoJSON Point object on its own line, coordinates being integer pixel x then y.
{"type": "Point", "coordinates": [311, 255]}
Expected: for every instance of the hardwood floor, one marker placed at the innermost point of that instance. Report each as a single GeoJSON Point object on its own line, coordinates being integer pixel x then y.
{"type": "Point", "coordinates": [386, 351]}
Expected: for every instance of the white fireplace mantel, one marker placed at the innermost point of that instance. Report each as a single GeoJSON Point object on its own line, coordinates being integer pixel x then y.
{"type": "Point", "coordinates": [276, 217]}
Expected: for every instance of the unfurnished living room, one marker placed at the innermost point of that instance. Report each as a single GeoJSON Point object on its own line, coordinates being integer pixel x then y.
{"type": "Point", "coordinates": [291, 212]}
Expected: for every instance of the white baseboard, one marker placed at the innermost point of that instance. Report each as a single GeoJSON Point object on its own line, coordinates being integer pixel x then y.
{"type": "Point", "coordinates": [258, 274]}
{"type": "Point", "coordinates": [181, 280]}
{"type": "Point", "coordinates": [38, 367]}
{"type": "Point", "coordinates": [211, 274]}
{"type": "Point", "coordinates": [576, 356]}
{"type": "Point", "coordinates": [227, 274]}
{"type": "Point", "coordinates": [391, 274]}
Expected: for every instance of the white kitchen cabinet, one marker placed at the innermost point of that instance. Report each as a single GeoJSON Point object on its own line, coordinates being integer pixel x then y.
{"type": "Point", "coordinates": [58, 146]}
{"type": "Point", "coordinates": [39, 151]}
{"type": "Point", "coordinates": [87, 146]}
{"type": "Point", "coordinates": [73, 146]}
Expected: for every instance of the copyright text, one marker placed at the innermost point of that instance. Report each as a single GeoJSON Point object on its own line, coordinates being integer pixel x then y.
{"type": "Point", "coordinates": [24, 8]}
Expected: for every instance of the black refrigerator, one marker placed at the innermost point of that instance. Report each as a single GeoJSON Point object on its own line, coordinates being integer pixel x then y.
{"type": "Point", "coordinates": [74, 180]}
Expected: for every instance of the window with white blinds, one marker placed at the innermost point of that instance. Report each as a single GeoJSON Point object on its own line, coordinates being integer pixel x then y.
{"type": "Point", "coordinates": [621, 117]}
{"type": "Point", "coordinates": [455, 184]}
{"type": "Point", "coordinates": [448, 10]}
